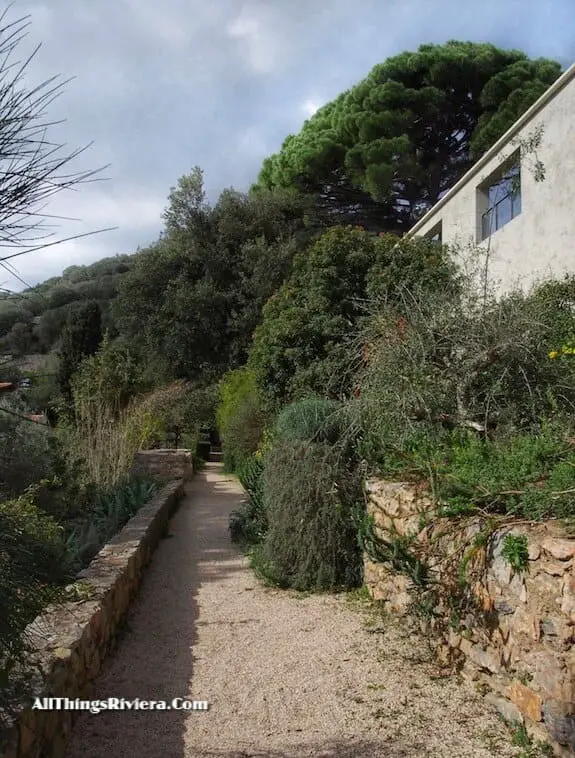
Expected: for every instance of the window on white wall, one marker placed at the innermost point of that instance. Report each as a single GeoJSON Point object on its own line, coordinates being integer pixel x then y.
{"type": "Point", "coordinates": [499, 198]}
{"type": "Point", "coordinates": [435, 234]}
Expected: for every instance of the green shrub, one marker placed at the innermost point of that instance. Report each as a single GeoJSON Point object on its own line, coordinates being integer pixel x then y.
{"type": "Point", "coordinates": [299, 348]}
{"type": "Point", "coordinates": [304, 343]}
{"type": "Point", "coordinates": [108, 511]}
{"type": "Point", "coordinates": [313, 494]}
{"type": "Point", "coordinates": [311, 419]}
{"type": "Point", "coordinates": [235, 387]}
{"type": "Point", "coordinates": [459, 363]}
{"type": "Point", "coordinates": [529, 475]}
{"type": "Point", "coordinates": [32, 561]}
{"type": "Point", "coordinates": [25, 449]}
{"type": "Point", "coordinates": [516, 551]}
{"type": "Point", "coordinates": [248, 524]}
{"type": "Point", "coordinates": [241, 419]}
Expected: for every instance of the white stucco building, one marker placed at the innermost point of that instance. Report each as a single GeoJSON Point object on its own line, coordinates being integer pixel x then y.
{"type": "Point", "coordinates": [505, 205]}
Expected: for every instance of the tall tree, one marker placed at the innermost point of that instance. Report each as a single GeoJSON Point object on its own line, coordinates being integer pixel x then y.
{"type": "Point", "coordinates": [383, 152]}
{"type": "Point", "coordinates": [81, 339]}
{"type": "Point", "coordinates": [194, 298]}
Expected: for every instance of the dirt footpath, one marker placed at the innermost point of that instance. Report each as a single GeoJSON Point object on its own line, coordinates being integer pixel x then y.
{"type": "Point", "coordinates": [286, 676]}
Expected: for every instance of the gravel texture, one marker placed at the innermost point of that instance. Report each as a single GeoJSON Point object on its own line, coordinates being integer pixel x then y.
{"type": "Point", "coordinates": [286, 675]}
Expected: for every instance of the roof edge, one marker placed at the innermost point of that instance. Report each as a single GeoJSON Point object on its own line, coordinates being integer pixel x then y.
{"type": "Point", "coordinates": [533, 109]}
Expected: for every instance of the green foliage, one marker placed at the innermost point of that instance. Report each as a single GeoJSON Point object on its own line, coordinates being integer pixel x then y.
{"type": "Point", "coordinates": [248, 524]}
{"type": "Point", "coordinates": [109, 509]}
{"type": "Point", "coordinates": [310, 420]}
{"type": "Point", "coordinates": [408, 269]}
{"type": "Point", "coordinates": [527, 475]}
{"type": "Point", "coordinates": [194, 298]}
{"type": "Point", "coordinates": [240, 417]}
{"type": "Point", "coordinates": [25, 452]}
{"type": "Point", "coordinates": [515, 550]}
{"type": "Point", "coordinates": [530, 748]}
{"type": "Point", "coordinates": [43, 311]}
{"type": "Point", "coordinates": [395, 551]}
{"type": "Point", "coordinates": [80, 340]}
{"type": "Point", "coordinates": [450, 361]}
{"type": "Point", "coordinates": [307, 341]}
{"type": "Point", "coordinates": [299, 349]}
{"type": "Point", "coordinates": [382, 153]}
{"type": "Point", "coordinates": [44, 388]}
{"type": "Point", "coordinates": [109, 378]}
{"type": "Point", "coordinates": [32, 560]}
{"type": "Point", "coordinates": [19, 339]}
{"type": "Point", "coordinates": [243, 433]}
{"type": "Point", "coordinates": [312, 497]}
{"type": "Point", "coordinates": [235, 387]}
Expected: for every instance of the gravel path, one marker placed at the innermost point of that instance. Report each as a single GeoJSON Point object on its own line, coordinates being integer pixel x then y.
{"type": "Point", "coordinates": [286, 676]}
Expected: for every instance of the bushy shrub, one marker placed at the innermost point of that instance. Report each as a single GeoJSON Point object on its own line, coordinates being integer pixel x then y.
{"type": "Point", "coordinates": [25, 451]}
{"type": "Point", "coordinates": [108, 510]}
{"type": "Point", "coordinates": [311, 490]}
{"type": "Point", "coordinates": [248, 524]}
{"type": "Point", "coordinates": [460, 363]}
{"type": "Point", "coordinates": [305, 340]}
{"type": "Point", "coordinates": [109, 379]}
{"type": "Point", "coordinates": [313, 419]}
{"type": "Point", "coordinates": [299, 348]}
{"type": "Point", "coordinates": [32, 560]}
{"type": "Point", "coordinates": [241, 419]}
{"type": "Point", "coordinates": [451, 380]}
{"type": "Point", "coordinates": [101, 443]}
{"type": "Point", "coordinates": [313, 495]}
{"type": "Point", "coordinates": [528, 475]}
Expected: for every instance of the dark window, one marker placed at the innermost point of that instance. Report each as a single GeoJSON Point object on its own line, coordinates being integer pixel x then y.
{"type": "Point", "coordinates": [435, 234]}
{"type": "Point", "coordinates": [503, 201]}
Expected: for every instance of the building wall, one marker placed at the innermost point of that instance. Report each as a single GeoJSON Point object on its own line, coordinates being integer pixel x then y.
{"type": "Point", "coordinates": [540, 241]}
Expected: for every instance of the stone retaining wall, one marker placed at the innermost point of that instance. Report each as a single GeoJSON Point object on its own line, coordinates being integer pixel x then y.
{"type": "Point", "coordinates": [166, 463]}
{"type": "Point", "coordinates": [70, 641]}
{"type": "Point", "coordinates": [521, 652]}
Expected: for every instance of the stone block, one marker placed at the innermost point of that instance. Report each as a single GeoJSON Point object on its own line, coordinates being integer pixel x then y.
{"type": "Point", "coordinates": [526, 700]}
{"type": "Point", "coordinates": [562, 550]}
{"type": "Point", "coordinates": [560, 721]}
{"type": "Point", "coordinates": [550, 675]}
{"type": "Point", "coordinates": [553, 568]}
{"type": "Point", "coordinates": [505, 708]}
{"type": "Point", "coordinates": [488, 659]}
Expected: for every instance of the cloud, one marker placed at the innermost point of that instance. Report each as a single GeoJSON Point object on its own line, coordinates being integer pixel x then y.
{"type": "Point", "coordinates": [311, 106]}
{"type": "Point", "coordinates": [259, 45]}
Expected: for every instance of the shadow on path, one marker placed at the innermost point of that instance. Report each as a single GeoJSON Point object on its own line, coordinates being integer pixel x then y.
{"type": "Point", "coordinates": [153, 659]}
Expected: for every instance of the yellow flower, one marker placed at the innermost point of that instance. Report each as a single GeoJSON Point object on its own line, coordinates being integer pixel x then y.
{"type": "Point", "coordinates": [553, 354]}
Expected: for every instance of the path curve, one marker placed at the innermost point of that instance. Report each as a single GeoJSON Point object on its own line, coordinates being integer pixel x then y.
{"type": "Point", "coordinates": [286, 676]}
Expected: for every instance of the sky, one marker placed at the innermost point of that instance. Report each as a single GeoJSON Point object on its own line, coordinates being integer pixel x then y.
{"type": "Point", "coordinates": [160, 87]}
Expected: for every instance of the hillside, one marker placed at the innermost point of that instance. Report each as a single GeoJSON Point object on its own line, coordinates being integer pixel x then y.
{"type": "Point", "coordinates": [31, 321]}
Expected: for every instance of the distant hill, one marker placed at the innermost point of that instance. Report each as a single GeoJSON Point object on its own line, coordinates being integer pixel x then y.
{"type": "Point", "coordinates": [32, 321]}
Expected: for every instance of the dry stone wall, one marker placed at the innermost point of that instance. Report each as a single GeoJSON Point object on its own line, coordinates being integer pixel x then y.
{"type": "Point", "coordinates": [519, 648]}
{"type": "Point", "coordinates": [70, 641]}
{"type": "Point", "coordinates": [165, 463]}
